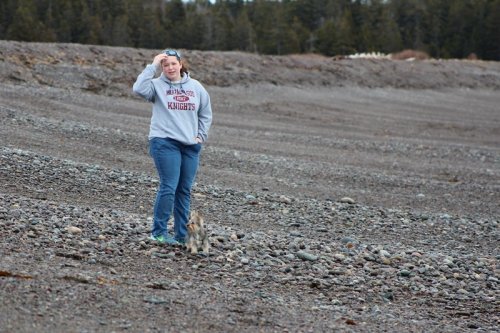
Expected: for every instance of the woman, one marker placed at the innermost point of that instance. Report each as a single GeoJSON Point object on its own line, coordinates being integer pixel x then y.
{"type": "Point", "coordinates": [182, 116]}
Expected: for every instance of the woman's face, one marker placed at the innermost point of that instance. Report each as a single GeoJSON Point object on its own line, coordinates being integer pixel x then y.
{"type": "Point", "coordinates": [172, 68]}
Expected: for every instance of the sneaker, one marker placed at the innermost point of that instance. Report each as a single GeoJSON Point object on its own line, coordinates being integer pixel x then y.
{"type": "Point", "coordinates": [164, 239]}
{"type": "Point", "coordinates": [181, 241]}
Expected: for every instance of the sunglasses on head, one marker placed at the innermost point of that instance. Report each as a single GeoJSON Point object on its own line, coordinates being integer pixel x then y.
{"type": "Point", "coordinates": [173, 53]}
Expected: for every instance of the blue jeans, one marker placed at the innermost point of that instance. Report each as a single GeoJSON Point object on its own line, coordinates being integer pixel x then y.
{"type": "Point", "coordinates": [177, 165]}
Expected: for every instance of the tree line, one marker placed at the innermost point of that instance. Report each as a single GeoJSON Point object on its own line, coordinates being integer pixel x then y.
{"type": "Point", "coordinates": [441, 28]}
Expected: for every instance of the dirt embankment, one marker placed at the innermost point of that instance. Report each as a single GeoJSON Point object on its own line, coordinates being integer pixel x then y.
{"type": "Point", "coordinates": [112, 70]}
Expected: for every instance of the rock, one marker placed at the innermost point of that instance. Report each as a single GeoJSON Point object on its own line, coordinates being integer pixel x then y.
{"type": "Point", "coordinates": [404, 272]}
{"type": "Point", "coordinates": [156, 300]}
{"type": "Point", "coordinates": [339, 256]}
{"type": "Point", "coordinates": [15, 213]}
{"type": "Point", "coordinates": [493, 279]}
{"type": "Point", "coordinates": [284, 199]}
{"type": "Point", "coordinates": [389, 295]}
{"type": "Point", "coordinates": [384, 260]}
{"type": "Point", "coordinates": [74, 230]}
{"type": "Point", "coordinates": [306, 256]}
{"type": "Point", "coordinates": [385, 253]}
{"type": "Point", "coordinates": [348, 240]}
{"type": "Point", "coordinates": [347, 200]}
{"type": "Point", "coordinates": [449, 263]}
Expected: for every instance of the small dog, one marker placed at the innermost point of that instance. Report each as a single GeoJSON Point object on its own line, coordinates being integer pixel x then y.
{"type": "Point", "coordinates": [196, 233]}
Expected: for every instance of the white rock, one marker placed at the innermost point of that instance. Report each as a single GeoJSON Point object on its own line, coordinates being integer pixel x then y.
{"type": "Point", "coordinates": [347, 200]}
{"type": "Point", "coordinates": [74, 230]}
{"type": "Point", "coordinates": [385, 253]}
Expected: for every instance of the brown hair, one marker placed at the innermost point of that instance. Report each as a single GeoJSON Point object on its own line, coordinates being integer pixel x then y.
{"type": "Point", "coordinates": [184, 69]}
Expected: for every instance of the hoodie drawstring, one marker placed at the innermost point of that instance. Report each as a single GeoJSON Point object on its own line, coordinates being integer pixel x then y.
{"type": "Point", "coordinates": [170, 88]}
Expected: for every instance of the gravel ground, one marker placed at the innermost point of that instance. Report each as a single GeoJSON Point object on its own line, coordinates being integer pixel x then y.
{"type": "Point", "coordinates": [335, 199]}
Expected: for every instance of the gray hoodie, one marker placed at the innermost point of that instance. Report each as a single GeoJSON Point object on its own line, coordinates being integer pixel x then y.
{"type": "Point", "coordinates": [181, 110]}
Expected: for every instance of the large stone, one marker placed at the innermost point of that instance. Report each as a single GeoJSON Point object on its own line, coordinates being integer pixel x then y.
{"type": "Point", "coordinates": [306, 256]}
{"type": "Point", "coordinates": [74, 230]}
{"type": "Point", "coordinates": [347, 200]}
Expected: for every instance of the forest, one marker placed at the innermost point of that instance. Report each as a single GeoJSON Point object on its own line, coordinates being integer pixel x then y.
{"type": "Point", "coordinates": [443, 29]}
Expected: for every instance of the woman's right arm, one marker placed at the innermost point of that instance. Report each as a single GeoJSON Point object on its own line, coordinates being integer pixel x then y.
{"type": "Point", "coordinates": [143, 86]}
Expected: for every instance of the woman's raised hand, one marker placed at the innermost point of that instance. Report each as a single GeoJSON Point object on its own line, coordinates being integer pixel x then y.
{"type": "Point", "coordinates": [157, 60]}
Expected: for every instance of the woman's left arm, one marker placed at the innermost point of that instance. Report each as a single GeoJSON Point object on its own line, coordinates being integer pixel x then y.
{"type": "Point", "coordinates": [204, 115]}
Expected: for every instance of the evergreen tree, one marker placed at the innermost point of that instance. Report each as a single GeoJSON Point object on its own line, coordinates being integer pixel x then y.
{"type": "Point", "coordinates": [492, 32]}
{"type": "Point", "coordinates": [386, 38]}
{"type": "Point", "coordinates": [116, 23]}
{"type": "Point", "coordinates": [403, 14]}
{"type": "Point", "coordinates": [243, 33]}
{"type": "Point", "coordinates": [280, 38]}
{"type": "Point", "coordinates": [264, 18]}
{"type": "Point", "coordinates": [347, 38]}
{"type": "Point", "coordinates": [50, 24]}
{"type": "Point", "coordinates": [305, 11]}
{"type": "Point", "coordinates": [136, 13]}
{"type": "Point", "coordinates": [7, 9]}
{"type": "Point", "coordinates": [302, 34]}
{"type": "Point", "coordinates": [327, 42]}
{"type": "Point", "coordinates": [195, 26]}
{"type": "Point", "coordinates": [174, 26]}
{"type": "Point", "coordinates": [25, 25]}
{"type": "Point", "coordinates": [67, 20]}
{"type": "Point", "coordinates": [175, 12]}
{"type": "Point", "coordinates": [89, 28]}
{"type": "Point", "coordinates": [454, 31]}
{"type": "Point", "coordinates": [120, 31]}
{"type": "Point", "coordinates": [436, 18]}
{"type": "Point", "coordinates": [223, 29]}
{"type": "Point", "coordinates": [334, 9]}
{"type": "Point", "coordinates": [208, 40]}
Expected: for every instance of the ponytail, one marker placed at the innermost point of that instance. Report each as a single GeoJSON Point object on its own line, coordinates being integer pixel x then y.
{"type": "Point", "coordinates": [184, 69]}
